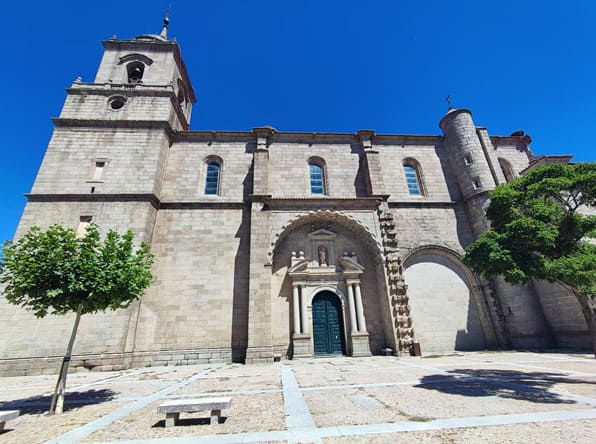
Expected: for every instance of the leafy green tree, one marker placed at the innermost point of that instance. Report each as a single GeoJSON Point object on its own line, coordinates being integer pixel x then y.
{"type": "Point", "coordinates": [56, 272]}
{"type": "Point", "coordinates": [541, 228]}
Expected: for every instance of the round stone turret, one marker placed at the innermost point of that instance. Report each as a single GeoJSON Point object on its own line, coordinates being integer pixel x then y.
{"type": "Point", "coordinates": [469, 162]}
{"type": "Point", "coordinates": [466, 153]}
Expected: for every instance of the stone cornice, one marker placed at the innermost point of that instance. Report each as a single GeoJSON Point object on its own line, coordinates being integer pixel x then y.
{"type": "Point", "coordinates": [422, 203]}
{"type": "Point", "coordinates": [330, 203]}
{"type": "Point", "coordinates": [202, 205]}
{"type": "Point", "coordinates": [141, 197]}
{"type": "Point", "coordinates": [110, 124]}
{"type": "Point", "coordinates": [128, 89]}
{"type": "Point", "coordinates": [148, 197]}
{"type": "Point", "coordinates": [307, 137]}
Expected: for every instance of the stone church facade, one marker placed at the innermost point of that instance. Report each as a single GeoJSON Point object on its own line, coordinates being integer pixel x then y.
{"type": "Point", "coordinates": [274, 244]}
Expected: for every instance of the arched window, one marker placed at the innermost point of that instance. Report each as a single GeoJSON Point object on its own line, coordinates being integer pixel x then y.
{"type": "Point", "coordinates": [412, 174]}
{"type": "Point", "coordinates": [507, 170]}
{"type": "Point", "coordinates": [135, 71]}
{"type": "Point", "coordinates": [181, 93]}
{"type": "Point", "coordinates": [212, 177]}
{"type": "Point", "coordinates": [317, 176]}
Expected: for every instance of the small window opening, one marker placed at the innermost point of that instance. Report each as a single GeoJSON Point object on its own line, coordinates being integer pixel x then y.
{"type": "Point", "coordinates": [477, 183]}
{"type": "Point", "coordinates": [212, 179]}
{"type": "Point", "coordinates": [92, 190]}
{"type": "Point", "coordinates": [135, 72]}
{"type": "Point", "coordinates": [468, 159]}
{"type": "Point", "coordinates": [507, 170]}
{"type": "Point", "coordinates": [84, 222]}
{"type": "Point", "coordinates": [98, 171]}
{"type": "Point", "coordinates": [317, 179]}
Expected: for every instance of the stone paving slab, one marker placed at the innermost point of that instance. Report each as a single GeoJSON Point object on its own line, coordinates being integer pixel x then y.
{"type": "Point", "coordinates": [463, 397]}
{"type": "Point", "coordinates": [572, 366]}
{"type": "Point", "coordinates": [577, 386]}
{"type": "Point", "coordinates": [455, 400]}
{"type": "Point", "coordinates": [580, 432]}
{"type": "Point", "coordinates": [246, 414]}
{"type": "Point", "coordinates": [384, 373]}
{"type": "Point", "coordinates": [529, 357]}
{"type": "Point", "coordinates": [340, 408]}
{"type": "Point", "coordinates": [228, 383]}
{"type": "Point", "coordinates": [253, 370]}
{"type": "Point", "coordinates": [34, 428]}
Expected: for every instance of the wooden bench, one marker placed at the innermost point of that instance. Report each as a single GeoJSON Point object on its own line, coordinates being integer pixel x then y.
{"type": "Point", "coordinates": [173, 408]}
{"type": "Point", "coordinates": [7, 415]}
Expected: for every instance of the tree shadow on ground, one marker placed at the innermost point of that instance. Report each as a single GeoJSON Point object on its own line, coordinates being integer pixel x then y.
{"type": "Point", "coordinates": [72, 400]}
{"type": "Point", "coordinates": [508, 384]}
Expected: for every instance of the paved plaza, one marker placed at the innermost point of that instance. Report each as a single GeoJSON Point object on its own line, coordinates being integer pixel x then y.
{"type": "Point", "coordinates": [488, 397]}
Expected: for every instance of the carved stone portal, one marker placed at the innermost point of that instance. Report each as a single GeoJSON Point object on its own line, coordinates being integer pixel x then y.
{"type": "Point", "coordinates": [338, 275]}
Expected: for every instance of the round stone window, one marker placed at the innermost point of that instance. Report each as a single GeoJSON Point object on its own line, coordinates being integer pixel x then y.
{"type": "Point", "coordinates": [116, 102]}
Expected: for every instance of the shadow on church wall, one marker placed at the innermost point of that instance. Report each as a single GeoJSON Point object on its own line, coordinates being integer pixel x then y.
{"type": "Point", "coordinates": [362, 185]}
{"type": "Point", "coordinates": [241, 278]}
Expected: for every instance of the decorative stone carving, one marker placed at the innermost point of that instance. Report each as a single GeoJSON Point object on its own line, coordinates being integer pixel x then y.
{"type": "Point", "coordinates": [322, 252]}
{"type": "Point", "coordinates": [402, 320]}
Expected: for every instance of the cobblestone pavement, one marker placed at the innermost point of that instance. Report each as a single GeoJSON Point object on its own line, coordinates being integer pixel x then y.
{"type": "Point", "coordinates": [500, 397]}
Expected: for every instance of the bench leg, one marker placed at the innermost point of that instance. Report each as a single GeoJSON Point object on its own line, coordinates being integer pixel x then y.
{"type": "Point", "coordinates": [172, 419]}
{"type": "Point", "coordinates": [215, 414]}
{"type": "Point", "coordinates": [2, 425]}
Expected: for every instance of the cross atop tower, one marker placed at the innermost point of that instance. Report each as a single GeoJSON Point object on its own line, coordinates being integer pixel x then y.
{"type": "Point", "coordinates": [166, 22]}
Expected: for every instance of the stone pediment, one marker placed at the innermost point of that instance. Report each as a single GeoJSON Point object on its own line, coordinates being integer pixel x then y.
{"type": "Point", "coordinates": [322, 234]}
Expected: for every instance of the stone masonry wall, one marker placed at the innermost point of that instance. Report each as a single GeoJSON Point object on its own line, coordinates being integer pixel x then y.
{"type": "Point", "coordinates": [134, 161]}
{"type": "Point", "coordinates": [289, 173]}
{"type": "Point", "coordinates": [186, 170]}
{"type": "Point", "coordinates": [101, 335]}
{"type": "Point", "coordinates": [563, 315]}
{"type": "Point", "coordinates": [436, 181]}
{"type": "Point", "coordinates": [199, 298]}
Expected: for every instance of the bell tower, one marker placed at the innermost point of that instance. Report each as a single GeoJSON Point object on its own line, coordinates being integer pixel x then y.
{"type": "Point", "coordinates": [106, 159]}
{"type": "Point", "coordinates": [146, 66]}
{"type": "Point", "coordinates": [105, 163]}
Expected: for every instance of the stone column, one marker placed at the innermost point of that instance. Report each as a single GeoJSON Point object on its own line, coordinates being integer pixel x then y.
{"type": "Point", "coordinates": [259, 285]}
{"type": "Point", "coordinates": [353, 326]}
{"type": "Point", "coordinates": [372, 163]}
{"type": "Point", "coordinates": [296, 308]}
{"type": "Point", "coordinates": [304, 312]}
{"type": "Point", "coordinates": [259, 288]}
{"type": "Point", "coordinates": [359, 308]}
{"type": "Point", "coordinates": [261, 161]}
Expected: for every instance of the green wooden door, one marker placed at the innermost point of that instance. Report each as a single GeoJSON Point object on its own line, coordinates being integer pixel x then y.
{"type": "Point", "coordinates": [327, 324]}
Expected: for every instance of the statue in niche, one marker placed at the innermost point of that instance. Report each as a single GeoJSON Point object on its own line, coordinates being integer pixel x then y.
{"type": "Point", "coordinates": [322, 256]}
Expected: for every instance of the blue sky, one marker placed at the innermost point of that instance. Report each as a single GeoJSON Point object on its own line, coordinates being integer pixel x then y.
{"type": "Point", "coordinates": [336, 66]}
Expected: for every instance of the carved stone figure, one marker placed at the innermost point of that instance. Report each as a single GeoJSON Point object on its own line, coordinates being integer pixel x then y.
{"type": "Point", "coordinates": [322, 256]}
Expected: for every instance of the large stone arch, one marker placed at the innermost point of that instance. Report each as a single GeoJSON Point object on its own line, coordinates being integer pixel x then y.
{"type": "Point", "coordinates": [327, 216]}
{"type": "Point", "coordinates": [448, 311]}
{"type": "Point", "coordinates": [353, 237]}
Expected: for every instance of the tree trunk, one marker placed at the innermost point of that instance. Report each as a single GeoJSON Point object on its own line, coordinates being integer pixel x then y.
{"type": "Point", "coordinates": [589, 311]}
{"type": "Point", "coordinates": [57, 405]}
